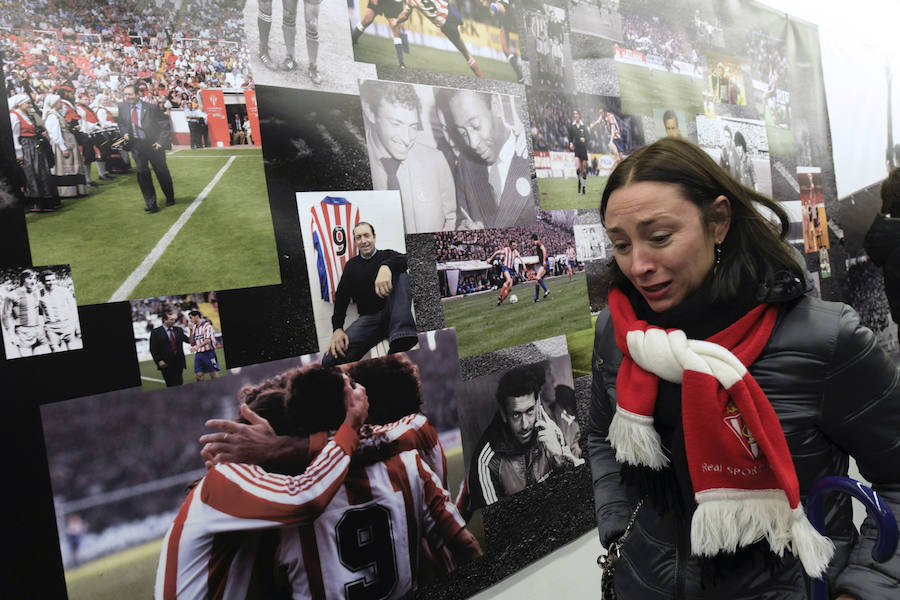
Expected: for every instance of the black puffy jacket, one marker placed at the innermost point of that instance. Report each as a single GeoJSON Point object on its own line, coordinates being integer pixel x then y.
{"type": "Point", "coordinates": [837, 395]}
{"type": "Point", "coordinates": [882, 244]}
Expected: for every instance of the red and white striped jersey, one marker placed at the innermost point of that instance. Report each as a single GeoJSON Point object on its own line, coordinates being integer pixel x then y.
{"type": "Point", "coordinates": [367, 541]}
{"type": "Point", "coordinates": [508, 255]}
{"type": "Point", "coordinates": [205, 554]}
{"type": "Point", "coordinates": [333, 220]}
{"type": "Point", "coordinates": [204, 337]}
{"type": "Point", "coordinates": [612, 126]}
{"type": "Point", "coordinates": [412, 432]}
{"type": "Point", "coordinates": [434, 10]}
{"type": "Point", "coordinates": [58, 304]}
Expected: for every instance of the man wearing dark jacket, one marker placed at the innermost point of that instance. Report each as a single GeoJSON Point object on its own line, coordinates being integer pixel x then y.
{"type": "Point", "coordinates": [882, 241]}
{"type": "Point", "coordinates": [147, 128]}
{"type": "Point", "coordinates": [376, 280]}
{"type": "Point", "coordinates": [521, 446]}
{"type": "Point", "coordinates": [167, 350]}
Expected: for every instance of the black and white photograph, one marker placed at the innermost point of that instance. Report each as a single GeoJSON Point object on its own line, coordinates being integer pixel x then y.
{"type": "Point", "coordinates": [178, 339]}
{"type": "Point", "coordinates": [474, 39]}
{"type": "Point", "coordinates": [505, 287]}
{"type": "Point", "coordinates": [547, 48]}
{"type": "Point", "coordinates": [599, 18]}
{"type": "Point", "coordinates": [591, 241]}
{"type": "Point", "coordinates": [38, 312]}
{"type": "Point", "coordinates": [302, 44]}
{"type": "Point", "coordinates": [739, 145]}
{"type": "Point", "coordinates": [358, 273]}
{"type": "Point", "coordinates": [458, 157]}
{"type": "Point", "coordinates": [518, 426]}
{"type": "Point", "coordinates": [674, 123]}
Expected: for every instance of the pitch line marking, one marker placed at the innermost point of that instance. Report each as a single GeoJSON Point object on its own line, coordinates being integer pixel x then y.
{"type": "Point", "coordinates": [142, 269]}
{"type": "Point", "coordinates": [145, 378]}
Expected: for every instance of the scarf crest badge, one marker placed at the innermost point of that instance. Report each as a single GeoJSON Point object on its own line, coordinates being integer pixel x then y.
{"type": "Point", "coordinates": [745, 491]}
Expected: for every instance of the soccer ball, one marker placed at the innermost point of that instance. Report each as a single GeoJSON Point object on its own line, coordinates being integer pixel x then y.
{"type": "Point", "coordinates": [513, 299]}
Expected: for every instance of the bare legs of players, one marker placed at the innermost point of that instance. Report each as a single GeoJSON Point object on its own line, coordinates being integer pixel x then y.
{"type": "Point", "coordinates": [505, 289]}
{"type": "Point", "coordinates": [539, 283]}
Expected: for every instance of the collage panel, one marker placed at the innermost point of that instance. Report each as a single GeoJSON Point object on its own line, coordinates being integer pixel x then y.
{"type": "Point", "coordinates": [484, 276]}
{"type": "Point", "coordinates": [478, 39]}
{"type": "Point", "coordinates": [116, 501]}
{"type": "Point", "coordinates": [136, 131]}
{"type": "Point", "coordinates": [547, 47]}
{"type": "Point", "coordinates": [458, 157]}
{"type": "Point", "coordinates": [38, 312]}
{"type": "Point", "coordinates": [595, 249]}
{"type": "Point", "coordinates": [517, 426]}
{"type": "Point", "coordinates": [178, 339]}
{"type": "Point", "coordinates": [600, 18]}
{"type": "Point", "coordinates": [306, 44]}
{"type": "Point", "coordinates": [741, 147]}
{"type": "Point", "coordinates": [578, 140]}
{"type": "Point", "coordinates": [353, 239]}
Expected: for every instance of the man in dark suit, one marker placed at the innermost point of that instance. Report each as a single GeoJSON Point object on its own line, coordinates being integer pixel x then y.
{"type": "Point", "coordinates": [147, 128]}
{"type": "Point", "coordinates": [493, 174]}
{"type": "Point", "coordinates": [167, 350]}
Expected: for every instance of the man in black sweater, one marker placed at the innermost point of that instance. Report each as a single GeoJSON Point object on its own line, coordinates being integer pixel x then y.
{"type": "Point", "coordinates": [377, 281]}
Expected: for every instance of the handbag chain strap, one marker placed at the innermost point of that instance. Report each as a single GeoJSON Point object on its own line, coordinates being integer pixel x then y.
{"type": "Point", "coordinates": [612, 553]}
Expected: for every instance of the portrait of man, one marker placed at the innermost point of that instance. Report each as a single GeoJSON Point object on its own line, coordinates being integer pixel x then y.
{"type": "Point", "coordinates": [166, 347]}
{"type": "Point", "coordinates": [22, 320]}
{"type": "Point", "coordinates": [493, 173]}
{"type": "Point", "coordinates": [399, 161]}
{"type": "Point", "coordinates": [57, 304]}
{"type": "Point", "coordinates": [522, 445]}
{"type": "Point", "coordinates": [670, 121]}
{"type": "Point", "coordinates": [378, 283]}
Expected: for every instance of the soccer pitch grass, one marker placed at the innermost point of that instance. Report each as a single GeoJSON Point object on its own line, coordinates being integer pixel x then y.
{"type": "Point", "coordinates": [581, 349]}
{"type": "Point", "coordinates": [643, 90]}
{"type": "Point", "coordinates": [227, 243]}
{"type": "Point", "coordinates": [558, 193]}
{"type": "Point", "coordinates": [482, 326]}
{"type": "Point", "coordinates": [152, 379]}
{"type": "Point", "coordinates": [380, 51]}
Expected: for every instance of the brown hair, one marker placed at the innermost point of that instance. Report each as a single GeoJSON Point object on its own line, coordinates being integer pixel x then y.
{"type": "Point", "coordinates": [754, 249]}
{"type": "Point", "coordinates": [890, 194]}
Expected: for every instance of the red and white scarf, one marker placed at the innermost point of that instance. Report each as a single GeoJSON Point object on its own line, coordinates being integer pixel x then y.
{"type": "Point", "coordinates": [741, 469]}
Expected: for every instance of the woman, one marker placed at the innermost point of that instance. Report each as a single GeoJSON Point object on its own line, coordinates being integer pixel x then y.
{"type": "Point", "coordinates": [27, 133]}
{"type": "Point", "coordinates": [720, 454]}
{"type": "Point", "coordinates": [69, 176]}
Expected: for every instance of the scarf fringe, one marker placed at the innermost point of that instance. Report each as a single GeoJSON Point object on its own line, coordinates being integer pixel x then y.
{"type": "Point", "coordinates": [735, 519]}
{"type": "Point", "coordinates": [636, 440]}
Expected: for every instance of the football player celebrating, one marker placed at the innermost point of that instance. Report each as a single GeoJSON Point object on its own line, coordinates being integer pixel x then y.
{"type": "Point", "coordinates": [542, 269]}
{"type": "Point", "coordinates": [445, 16]}
{"type": "Point", "coordinates": [508, 255]}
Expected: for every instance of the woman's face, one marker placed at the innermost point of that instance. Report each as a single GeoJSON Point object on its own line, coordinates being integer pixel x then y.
{"type": "Point", "coordinates": [661, 242]}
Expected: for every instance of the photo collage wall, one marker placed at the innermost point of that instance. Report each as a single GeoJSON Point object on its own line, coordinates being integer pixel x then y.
{"type": "Point", "coordinates": [230, 193]}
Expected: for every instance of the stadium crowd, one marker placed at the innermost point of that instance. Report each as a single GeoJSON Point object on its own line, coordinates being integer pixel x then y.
{"type": "Point", "coordinates": [478, 244]}
{"type": "Point", "coordinates": [657, 37]}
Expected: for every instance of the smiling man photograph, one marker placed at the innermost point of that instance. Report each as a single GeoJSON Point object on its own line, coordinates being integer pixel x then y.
{"type": "Point", "coordinates": [401, 162]}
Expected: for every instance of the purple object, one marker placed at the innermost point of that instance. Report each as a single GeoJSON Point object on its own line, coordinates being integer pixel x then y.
{"type": "Point", "coordinates": [885, 544]}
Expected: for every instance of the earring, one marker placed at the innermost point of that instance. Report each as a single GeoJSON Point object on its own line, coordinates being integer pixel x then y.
{"type": "Point", "coordinates": [718, 253]}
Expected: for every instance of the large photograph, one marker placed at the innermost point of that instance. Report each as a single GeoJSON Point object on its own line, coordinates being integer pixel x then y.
{"type": "Point", "coordinates": [128, 125]}
{"type": "Point", "coordinates": [119, 529]}
{"type": "Point", "coordinates": [458, 157]}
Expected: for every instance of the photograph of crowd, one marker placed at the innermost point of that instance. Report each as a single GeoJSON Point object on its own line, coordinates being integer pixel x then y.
{"type": "Point", "coordinates": [38, 314]}
{"type": "Point", "coordinates": [458, 157]}
{"type": "Point", "coordinates": [110, 105]}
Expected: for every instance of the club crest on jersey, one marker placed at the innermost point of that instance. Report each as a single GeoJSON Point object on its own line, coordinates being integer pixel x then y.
{"type": "Point", "coordinates": [213, 100]}
{"type": "Point", "coordinates": [735, 423]}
